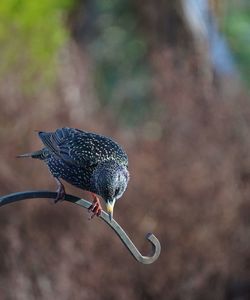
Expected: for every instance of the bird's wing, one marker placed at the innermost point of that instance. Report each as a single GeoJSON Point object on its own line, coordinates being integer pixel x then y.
{"type": "Point", "coordinates": [58, 143]}
{"type": "Point", "coordinates": [82, 148]}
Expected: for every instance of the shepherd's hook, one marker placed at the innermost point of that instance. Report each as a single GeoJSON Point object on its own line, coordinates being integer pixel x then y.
{"type": "Point", "coordinates": [156, 246]}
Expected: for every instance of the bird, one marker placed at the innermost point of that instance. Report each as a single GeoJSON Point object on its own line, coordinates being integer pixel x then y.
{"type": "Point", "coordinates": [86, 160]}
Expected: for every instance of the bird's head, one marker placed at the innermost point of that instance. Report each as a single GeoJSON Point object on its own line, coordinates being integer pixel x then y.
{"type": "Point", "coordinates": [110, 180]}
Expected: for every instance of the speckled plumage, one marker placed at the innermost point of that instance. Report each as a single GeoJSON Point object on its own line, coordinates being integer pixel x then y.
{"type": "Point", "coordinates": [86, 160]}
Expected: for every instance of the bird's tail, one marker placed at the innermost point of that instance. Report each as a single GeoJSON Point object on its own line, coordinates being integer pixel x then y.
{"type": "Point", "coordinates": [36, 154]}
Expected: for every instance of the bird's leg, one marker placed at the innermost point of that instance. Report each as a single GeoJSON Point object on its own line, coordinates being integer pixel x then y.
{"type": "Point", "coordinates": [95, 208]}
{"type": "Point", "coordinates": [60, 191]}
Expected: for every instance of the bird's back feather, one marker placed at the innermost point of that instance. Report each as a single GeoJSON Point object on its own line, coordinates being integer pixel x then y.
{"type": "Point", "coordinates": [80, 148]}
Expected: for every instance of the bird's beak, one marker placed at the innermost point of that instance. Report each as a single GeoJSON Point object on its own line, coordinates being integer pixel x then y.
{"type": "Point", "coordinates": [110, 207]}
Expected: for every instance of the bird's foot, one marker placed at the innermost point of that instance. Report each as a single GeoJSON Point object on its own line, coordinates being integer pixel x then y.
{"type": "Point", "coordinates": [60, 191]}
{"type": "Point", "coordinates": [96, 207]}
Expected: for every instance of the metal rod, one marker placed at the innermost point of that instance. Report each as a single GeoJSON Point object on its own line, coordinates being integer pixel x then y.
{"type": "Point", "coordinates": [156, 246]}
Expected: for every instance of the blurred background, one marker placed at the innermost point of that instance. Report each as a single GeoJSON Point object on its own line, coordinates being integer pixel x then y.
{"type": "Point", "coordinates": [169, 81]}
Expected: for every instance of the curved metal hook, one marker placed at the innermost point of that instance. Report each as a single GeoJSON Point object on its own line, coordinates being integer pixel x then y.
{"type": "Point", "coordinates": [156, 246]}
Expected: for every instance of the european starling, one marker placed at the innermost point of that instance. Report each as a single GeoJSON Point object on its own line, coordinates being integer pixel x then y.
{"type": "Point", "coordinates": [89, 161]}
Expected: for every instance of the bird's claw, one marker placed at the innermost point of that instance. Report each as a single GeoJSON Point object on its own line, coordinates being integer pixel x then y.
{"type": "Point", "coordinates": [60, 194]}
{"type": "Point", "coordinates": [59, 197]}
{"type": "Point", "coordinates": [95, 208]}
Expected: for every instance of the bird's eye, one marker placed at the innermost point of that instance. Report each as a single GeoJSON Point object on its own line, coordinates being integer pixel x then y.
{"type": "Point", "coordinates": [117, 191]}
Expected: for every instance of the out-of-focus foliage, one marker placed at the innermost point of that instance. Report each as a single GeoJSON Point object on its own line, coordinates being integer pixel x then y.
{"type": "Point", "coordinates": [31, 32]}
{"type": "Point", "coordinates": [236, 26]}
{"type": "Point", "coordinates": [119, 53]}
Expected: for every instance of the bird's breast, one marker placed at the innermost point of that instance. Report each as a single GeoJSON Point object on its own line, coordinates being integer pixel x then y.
{"type": "Point", "coordinates": [77, 176]}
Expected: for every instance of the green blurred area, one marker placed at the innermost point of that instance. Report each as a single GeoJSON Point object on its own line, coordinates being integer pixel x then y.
{"type": "Point", "coordinates": [31, 33]}
{"type": "Point", "coordinates": [236, 27]}
{"type": "Point", "coordinates": [119, 51]}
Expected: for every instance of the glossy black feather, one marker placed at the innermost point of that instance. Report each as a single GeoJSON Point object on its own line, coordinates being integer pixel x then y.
{"type": "Point", "coordinates": [82, 148]}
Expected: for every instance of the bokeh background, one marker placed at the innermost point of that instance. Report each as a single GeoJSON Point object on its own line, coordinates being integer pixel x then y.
{"type": "Point", "coordinates": [169, 81]}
